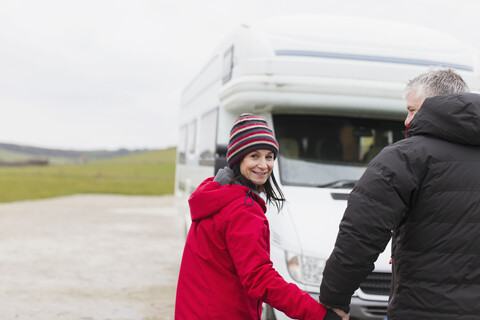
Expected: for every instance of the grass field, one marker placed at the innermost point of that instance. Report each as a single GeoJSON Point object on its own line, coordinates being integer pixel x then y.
{"type": "Point", "coordinates": [149, 173]}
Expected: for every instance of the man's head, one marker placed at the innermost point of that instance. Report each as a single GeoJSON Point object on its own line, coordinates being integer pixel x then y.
{"type": "Point", "coordinates": [429, 84]}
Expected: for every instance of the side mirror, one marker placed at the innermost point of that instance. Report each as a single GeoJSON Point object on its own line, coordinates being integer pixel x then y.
{"type": "Point", "coordinates": [220, 157]}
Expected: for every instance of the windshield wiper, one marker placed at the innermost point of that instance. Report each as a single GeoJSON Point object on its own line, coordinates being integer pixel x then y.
{"type": "Point", "coordinates": [340, 184]}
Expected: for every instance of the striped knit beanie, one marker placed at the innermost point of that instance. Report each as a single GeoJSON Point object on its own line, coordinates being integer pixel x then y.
{"type": "Point", "coordinates": [249, 133]}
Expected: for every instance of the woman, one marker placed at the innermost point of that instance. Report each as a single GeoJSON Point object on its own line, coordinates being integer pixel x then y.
{"type": "Point", "coordinates": [226, 271]}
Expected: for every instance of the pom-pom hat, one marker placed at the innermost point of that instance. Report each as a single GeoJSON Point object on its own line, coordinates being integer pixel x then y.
{"type": "Point", "coordinates": [249, 133]}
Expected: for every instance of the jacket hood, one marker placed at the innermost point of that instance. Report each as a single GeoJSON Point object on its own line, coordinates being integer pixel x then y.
{"type": "Point", "coordinates": [452, 117]}
{"type": "Point", "coordinates": [211, 197]}
{"type": "Point", "coordinates": [224, 176]}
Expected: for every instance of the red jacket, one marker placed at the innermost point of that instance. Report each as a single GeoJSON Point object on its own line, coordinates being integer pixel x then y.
{"type": "Point", "coordinates": [226, 270]}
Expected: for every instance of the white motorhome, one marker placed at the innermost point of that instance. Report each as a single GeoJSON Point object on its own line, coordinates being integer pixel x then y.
{"type": "Point", "coordinates": [332, 90]}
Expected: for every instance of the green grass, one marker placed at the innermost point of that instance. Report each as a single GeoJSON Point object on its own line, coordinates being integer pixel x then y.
{"type": "Point", "coordinates": [149, 173]}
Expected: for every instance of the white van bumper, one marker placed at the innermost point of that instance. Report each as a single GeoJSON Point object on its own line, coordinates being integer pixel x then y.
{"type": "Point", "coordinates": [360, 309]}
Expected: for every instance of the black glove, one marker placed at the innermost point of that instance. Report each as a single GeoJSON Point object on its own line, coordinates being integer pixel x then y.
{"type": "Point", "coordinates": [331, 315]}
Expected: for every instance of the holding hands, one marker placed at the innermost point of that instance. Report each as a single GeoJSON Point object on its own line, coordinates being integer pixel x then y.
{"type": "Point", "coordinates": [336, 314]}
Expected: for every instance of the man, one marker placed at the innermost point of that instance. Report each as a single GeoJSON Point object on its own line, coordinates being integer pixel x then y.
{"type": "Point", "coordinates": [425, 191]}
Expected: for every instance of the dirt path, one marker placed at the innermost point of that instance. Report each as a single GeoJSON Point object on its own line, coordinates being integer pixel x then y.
{"type": "Point", "coordinates": [88, 257]}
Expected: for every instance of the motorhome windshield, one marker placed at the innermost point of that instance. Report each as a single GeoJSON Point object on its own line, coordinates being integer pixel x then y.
{"type": "Point", "coordinates": [326, 151]}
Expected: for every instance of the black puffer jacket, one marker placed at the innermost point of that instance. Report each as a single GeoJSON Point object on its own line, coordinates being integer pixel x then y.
{"type": "Point", "coordinates": [426, 190]}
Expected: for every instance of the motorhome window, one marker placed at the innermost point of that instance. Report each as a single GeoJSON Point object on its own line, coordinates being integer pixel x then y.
{"type": "Point", "coordinates": [182, 144]}
{"type": "Point", "coordinates": [330, 151]}
{"type": "Point", "coordinates": [192, 133]}
{"type": "Point", "coordinates": [207, 137]}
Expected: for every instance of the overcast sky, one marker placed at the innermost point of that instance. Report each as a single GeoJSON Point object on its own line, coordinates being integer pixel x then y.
{"type": "Point", "coordinates": [108, 74]}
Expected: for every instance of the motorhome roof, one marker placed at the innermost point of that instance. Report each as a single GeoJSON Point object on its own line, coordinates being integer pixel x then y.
{"type": "Point", "coordinates": [269, 62]}
{"type": "Point", "coordinates": [354, 38]}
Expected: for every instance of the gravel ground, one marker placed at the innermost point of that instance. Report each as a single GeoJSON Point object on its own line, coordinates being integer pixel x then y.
{"type": "Point", "coordinates": [88, 257]}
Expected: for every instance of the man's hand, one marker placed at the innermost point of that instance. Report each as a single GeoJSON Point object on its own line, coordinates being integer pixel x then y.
{"type": "Point", "coordinates": [342, 314]}
{"type": "Point", "coordinates": [336, 314]}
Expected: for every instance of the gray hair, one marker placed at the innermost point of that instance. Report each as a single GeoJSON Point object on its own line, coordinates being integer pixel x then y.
{"type": "Point", "coordinates": [436, 82]}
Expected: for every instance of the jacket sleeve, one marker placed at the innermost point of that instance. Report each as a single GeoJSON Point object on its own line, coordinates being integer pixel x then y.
{"type": "Point", "coordinates": [376, 206]}
{"type": "Point", "coordinates": [246, 234]}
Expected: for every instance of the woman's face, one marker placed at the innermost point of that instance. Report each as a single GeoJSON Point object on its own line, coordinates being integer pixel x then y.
{"type": "Point", "coordinates": [257, 166]}
{"type": "Point", "coordinates": [413, 104]}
